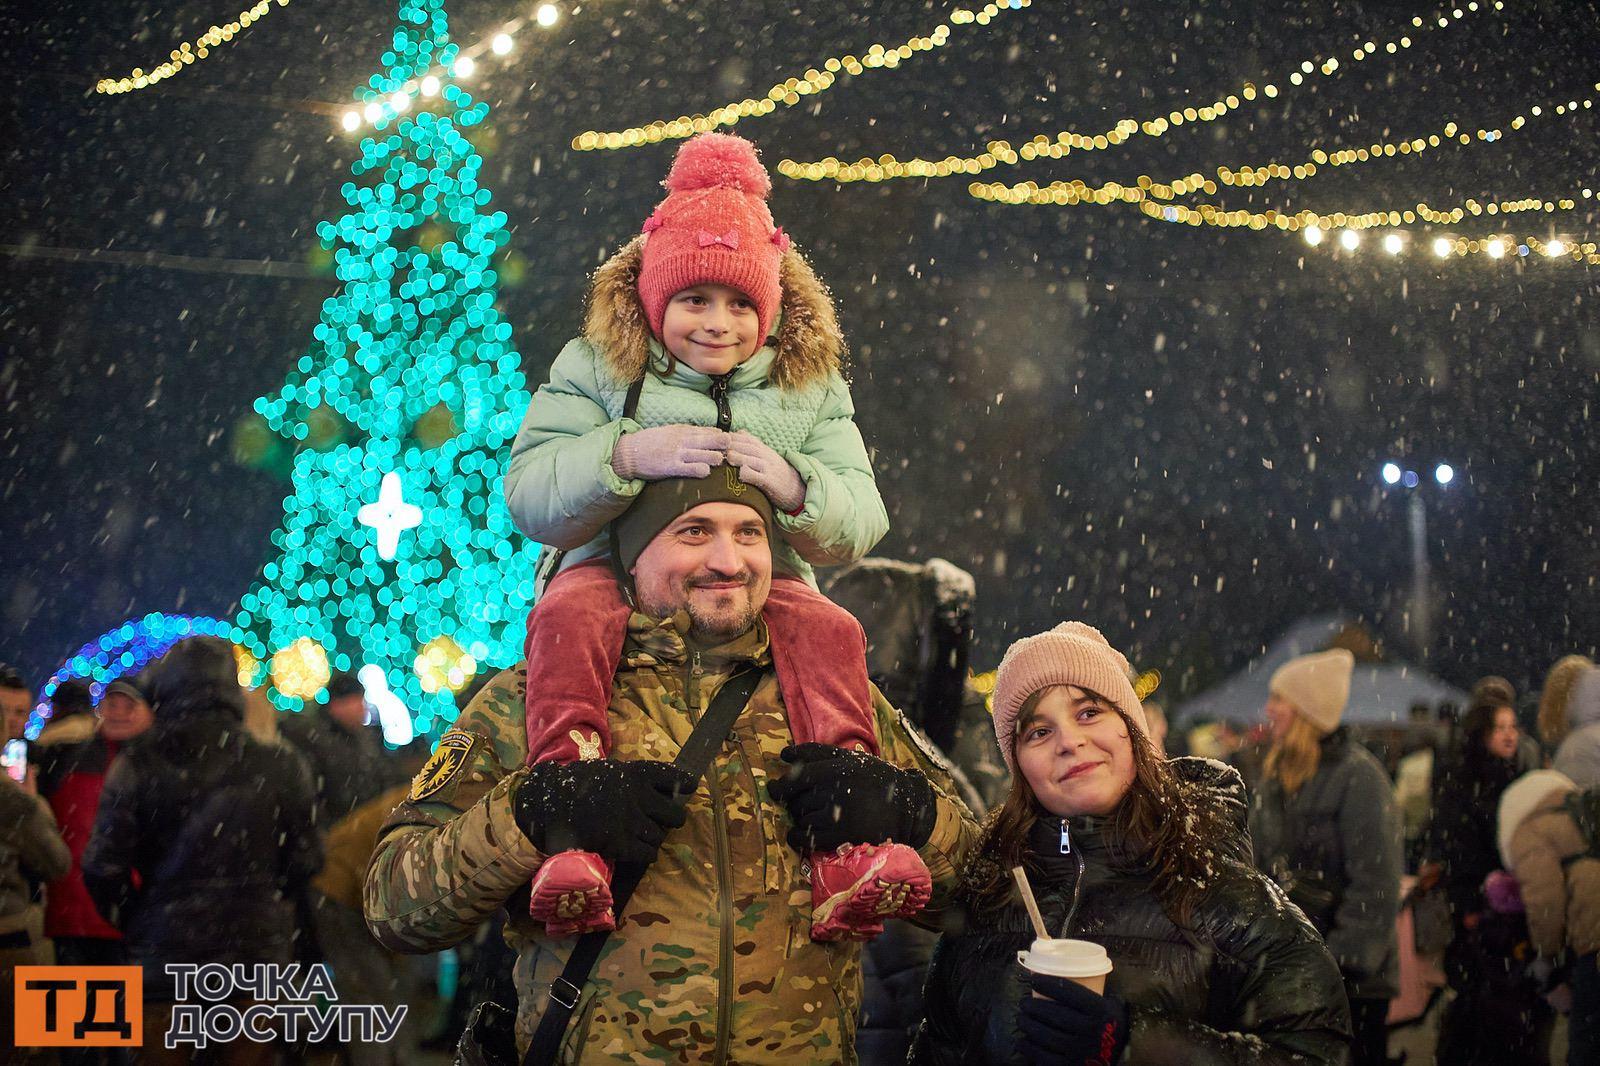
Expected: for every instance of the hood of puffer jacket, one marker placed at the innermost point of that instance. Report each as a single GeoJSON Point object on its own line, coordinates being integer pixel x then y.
{"type": "Point", "coordinates": [1585, 706]}
{"type": "Point", "coordinates": [196, 679]}
{"type": "Point", "coordinates": [809, 347]}
{"type": "Point", "coordinates": [1534, 791]}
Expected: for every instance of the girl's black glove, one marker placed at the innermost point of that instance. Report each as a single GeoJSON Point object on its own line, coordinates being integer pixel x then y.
{"type": "Point", "coordinates": [846, 797]}
{"type": "Point", "coordinates": [1074, 1027]}
{"type": "Point", "coordinates": [621, 811]}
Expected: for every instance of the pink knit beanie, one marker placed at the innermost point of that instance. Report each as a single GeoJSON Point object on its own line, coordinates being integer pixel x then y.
{"type": "Point", "coordinates": [713, 227]}
{"type": "Point", "coordinates": [1070, 654]}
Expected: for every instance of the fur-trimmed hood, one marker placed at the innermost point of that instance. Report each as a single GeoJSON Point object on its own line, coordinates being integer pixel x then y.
{"type": "Point", "coordinates": [1533, 792]}
{"type": "Point", "coordinates": [809, 346]}
{"type": "Point", "coordinates": [1571, 698]}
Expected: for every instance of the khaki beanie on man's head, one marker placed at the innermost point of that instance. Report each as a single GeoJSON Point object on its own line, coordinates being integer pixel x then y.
{"type": "Point", "coordinates": [1318, 686]}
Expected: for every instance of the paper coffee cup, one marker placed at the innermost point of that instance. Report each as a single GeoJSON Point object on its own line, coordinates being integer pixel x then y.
{"type": "Point", "coordinates": [1077, 960]}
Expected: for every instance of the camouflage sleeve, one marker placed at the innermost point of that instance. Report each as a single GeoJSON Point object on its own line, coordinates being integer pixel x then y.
{"type": "Point", "coordinates": [451, 854]}
{"type": "Point", "coordinates": [955, 832]}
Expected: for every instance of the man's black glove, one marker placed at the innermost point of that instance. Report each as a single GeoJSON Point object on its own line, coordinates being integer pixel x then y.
{"type": "Point", "coordinates": [1074, 1027]}
{"type": "Point", "coordinates": [622, 811]}
{"type": "Point", "coordinates": [844, 797]}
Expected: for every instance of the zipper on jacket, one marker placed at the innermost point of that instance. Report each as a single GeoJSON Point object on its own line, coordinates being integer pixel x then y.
{"type": "Point", "coordinates": [719, 396]}
{"type": "Point", "coordinates": [1077, 885]}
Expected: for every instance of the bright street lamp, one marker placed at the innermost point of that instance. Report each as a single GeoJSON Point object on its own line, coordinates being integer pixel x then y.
{"type": "Point", "coordinates": [1421, 607]}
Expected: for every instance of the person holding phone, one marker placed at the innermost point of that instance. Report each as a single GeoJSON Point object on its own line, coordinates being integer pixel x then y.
{"type": "Point", "coordinates": [31, 851]}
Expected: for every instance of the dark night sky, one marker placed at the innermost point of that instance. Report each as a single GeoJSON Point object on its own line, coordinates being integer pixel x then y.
{"type": "Point", "coordinates": [1173, 433]}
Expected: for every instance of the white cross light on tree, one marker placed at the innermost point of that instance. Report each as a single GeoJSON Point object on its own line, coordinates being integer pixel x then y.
{"type": "Point", "coordinates": [390, 515]}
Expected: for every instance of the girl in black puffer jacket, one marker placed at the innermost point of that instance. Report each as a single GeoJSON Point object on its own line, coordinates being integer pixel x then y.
{"type": "Point", "coordinates": [1147, 858]}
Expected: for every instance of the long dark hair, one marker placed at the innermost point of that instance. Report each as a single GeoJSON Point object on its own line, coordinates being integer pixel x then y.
{"type": "Point", "coordinates": [1173, 828]}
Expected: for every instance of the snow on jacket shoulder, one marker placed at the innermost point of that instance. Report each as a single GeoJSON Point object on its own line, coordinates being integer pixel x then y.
{"type": "Point", "coordinates": [560, 486]}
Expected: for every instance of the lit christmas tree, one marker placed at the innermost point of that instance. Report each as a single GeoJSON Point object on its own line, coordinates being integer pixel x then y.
{"type": "Point", "coordinates": [396, 550]}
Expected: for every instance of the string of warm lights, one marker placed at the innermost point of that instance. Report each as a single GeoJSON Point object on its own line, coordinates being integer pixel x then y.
{"type": "Point", "coordinates": [1076, 192]}
{"type": "Point", "coordinates": [1314, 225]}
{"type": "Point", "coordinates": [792, 90]}
{"type": "Point", "coordinates": [187, 53]}
{"type": "Point", "coordinates": [499, 42]}
{"type": "Point", "coordinates": [1055, 146]}
{"type": "Point", "coordinates": [1451, 133]}
{"type": "Point", "coordinates": [1146, 188]}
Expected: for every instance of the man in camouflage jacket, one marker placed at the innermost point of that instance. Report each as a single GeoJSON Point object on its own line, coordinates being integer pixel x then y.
{"type": "Point", "coordinates": [712, 960]}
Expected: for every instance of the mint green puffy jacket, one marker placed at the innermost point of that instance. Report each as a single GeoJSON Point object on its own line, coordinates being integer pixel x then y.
{"type": "Point", "coordinates": [562, 491]}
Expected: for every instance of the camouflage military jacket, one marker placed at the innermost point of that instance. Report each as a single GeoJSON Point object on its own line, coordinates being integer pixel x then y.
{"type": "Point", "coordinates": [713, 960]}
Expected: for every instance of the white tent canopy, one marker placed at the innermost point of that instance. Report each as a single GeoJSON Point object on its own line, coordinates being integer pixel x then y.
{"type": "Point", "coordinates": [1380, 693]}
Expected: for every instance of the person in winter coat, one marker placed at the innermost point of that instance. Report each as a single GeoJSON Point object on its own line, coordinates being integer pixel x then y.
{"type": "Point", "coordinates": [366, 971]}
{"type": "Point", "coordinates": [1325, 827]}
{"type": "Point", "coordinates": [1569, 718]}
{"type": "Point", "coordinates": [708, 341]}
{"type": "Point", "coordinates": [1149, 859]}
{"type": "Point", "coordinates": [16, 703]}
{"type": "Point", "coordinates": [1558, 874]}
{"type": "Point", "coordinates": [71, 777]}
{"type": "Point", "coordinates": [1496, 1012]}
{"type": "Point", "coordinates": [712, 959]}
{"type": "Point", "coordinates": [349, 766]}
{"type": "Point", "coordinates": [1461, 834]}
{"type": "Point", "coordinates": [31, 852]}
{"type": "Point", "coordinates": [218, 826]}
{"type": "Point", "coordinates": [918, 620]}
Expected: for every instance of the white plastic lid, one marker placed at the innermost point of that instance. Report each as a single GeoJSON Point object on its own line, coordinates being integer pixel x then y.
{"type": "Point", "coordinates": [1066, 958]}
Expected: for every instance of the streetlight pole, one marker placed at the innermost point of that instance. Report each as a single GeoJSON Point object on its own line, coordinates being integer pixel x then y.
{"type": "Point", "coordinates": [1421, 614]}
{"type": "Point", "coordinates": [1420, 608]}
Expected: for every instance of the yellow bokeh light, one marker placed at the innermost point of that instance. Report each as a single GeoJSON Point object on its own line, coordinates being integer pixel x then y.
{"type": "Point", "coordinates": [444, 664]}
{"type": "Point", "coordinates": [301, 669]}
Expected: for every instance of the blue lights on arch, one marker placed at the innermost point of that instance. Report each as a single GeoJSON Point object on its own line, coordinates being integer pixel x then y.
{"type": "Point", "coordinates": [121, 650]}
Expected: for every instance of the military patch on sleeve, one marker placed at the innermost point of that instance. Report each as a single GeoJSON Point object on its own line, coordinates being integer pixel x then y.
{"type": "Point", "coordinates": [443, 765]}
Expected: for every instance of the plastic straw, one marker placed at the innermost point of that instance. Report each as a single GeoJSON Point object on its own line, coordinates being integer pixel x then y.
{"type": "Point", "coordinates": [1028, 901]}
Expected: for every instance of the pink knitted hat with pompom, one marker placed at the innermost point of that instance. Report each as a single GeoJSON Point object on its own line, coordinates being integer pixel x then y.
{"type": "Point", "coordinates": [1070, 654]}
{"type": "Point", "coordinates": [713, 227]}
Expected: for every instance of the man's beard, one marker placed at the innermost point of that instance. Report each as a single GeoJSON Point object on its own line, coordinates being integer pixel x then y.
{"type": "Point", "coordinates": [708, 624]}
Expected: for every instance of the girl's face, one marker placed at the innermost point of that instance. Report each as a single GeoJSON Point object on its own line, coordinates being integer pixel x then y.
{"type": "Point", "coordinates": [1076, 754]}
{"type": "Point", "coordinates": [713, 328]}
{"type": "Point", "coordinates": [1502, 739]}
{"type": "Point", "coordinates": [1280, 716]}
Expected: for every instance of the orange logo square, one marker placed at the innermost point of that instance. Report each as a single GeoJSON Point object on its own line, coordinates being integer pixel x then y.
{"type": "Point", "coordinates": [79, 1006]}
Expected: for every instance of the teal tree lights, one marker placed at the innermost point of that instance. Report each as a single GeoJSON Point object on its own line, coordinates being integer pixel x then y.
{"type": "Point", "coordinates": [396, 550]}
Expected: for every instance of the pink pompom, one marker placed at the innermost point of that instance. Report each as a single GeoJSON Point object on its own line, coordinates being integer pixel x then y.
{"type": "Point", "coordinates": [718, 159]}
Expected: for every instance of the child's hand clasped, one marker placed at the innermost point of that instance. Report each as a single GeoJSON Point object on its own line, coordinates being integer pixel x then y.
{"type": "Point", "coordinates": [767, 471]}
{"type": "Point", "coordinates": [669, 451]}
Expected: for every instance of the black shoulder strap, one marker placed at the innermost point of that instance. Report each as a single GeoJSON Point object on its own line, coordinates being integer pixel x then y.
{"type": "Point", "coordinates": [695, 756]}
{"type": "Point", "coordinates": [630, 407]}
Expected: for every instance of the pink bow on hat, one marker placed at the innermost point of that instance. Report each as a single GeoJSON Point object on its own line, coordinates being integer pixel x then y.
{"type": "Point", "coordinates": [728, 240]}
{"type": "Point", "coordinates": [781, 239]}
{"type": "Point", "coordinates": [653, 223]}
